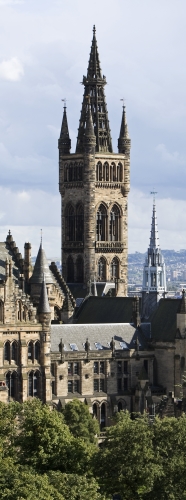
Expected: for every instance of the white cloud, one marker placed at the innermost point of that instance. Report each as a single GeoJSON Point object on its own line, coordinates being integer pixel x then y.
{"type": "Point", "coordinates": [11, 2]}
{"type": "Point", "coordinates": [170, 157]}
{"type": "Point", "coordinates": [11, 69]}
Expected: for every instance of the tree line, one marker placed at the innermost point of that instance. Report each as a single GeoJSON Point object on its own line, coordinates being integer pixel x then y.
{"type": "Point", "coordinates": [46, 454]}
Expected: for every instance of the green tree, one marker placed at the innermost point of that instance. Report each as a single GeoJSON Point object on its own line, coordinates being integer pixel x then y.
{"type": "Point", "coordinates": [80, 421]}
{"type": "Point", "coordinates": [125, 464]}
{"type": "Point", "coordinates": [75, 487]}
{"type": "Point", "coordinates": [169, 451]}
{"type": "Point", "coordinates": [9, 424]}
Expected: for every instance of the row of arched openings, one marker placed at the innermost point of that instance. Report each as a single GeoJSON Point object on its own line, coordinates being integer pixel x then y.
{"type": "Point", "coordinates": [73, 172]}
{"type": "Point", "coordinates": [75, 270]}
{"type": "Point", "coordinates": [12, 382]}
{"type": "Point", "coordinates": [11, 351]}
{"type": "Point", "coordinates": [109, 173]}
{"type": "Point", "coordinates": [103, 266]}
{"type": "Point", "coordinates": [108, 224]}
{"type": "Point", "coordinates": [74, 222]}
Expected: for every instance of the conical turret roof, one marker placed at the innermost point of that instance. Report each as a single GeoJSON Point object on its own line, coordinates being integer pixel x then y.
{"type": "Point", "coordinates": [41, 268]}
{"type": "Point", "coordinates": [64, 140]}
{"type": "Point", "coordinates": [43, 302]}
{"type": "Point", "coordinates": [94, 84]}
{"type": "Point", "coordinates": [124, 142]}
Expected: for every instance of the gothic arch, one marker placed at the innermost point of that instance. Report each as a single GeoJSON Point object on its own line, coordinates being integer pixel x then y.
{"type": "Point", "coordinates": [1, 311]}
{"type": "Point", "coordinates": [14, 351]}
{"type": "Point", "coordinates": [114, 268]}
{"type": "Point", "coordinates": [101, 223]}
{"type": "Point", "coordinates": [70, 269]}
{"type": "Point", "coordinates": [34, 388]}
{"type": "Point", "coordinates": [7, 351]}
{"type": "Point", "coordinates": [79, 269]}
{"type": "Point", "coordinates": [114, 223]}
{"type": "Point", "coordinates": [120, 172]}
{"type": "Point", "coordinates": [102, 269]}
{"type": "Point", "coordinates": [99, 171]}
{"type": "Point", "coordinates": [70, 222]}
{"type": "Point", "coordinates": [79, 222]}
{"type": "Point", "coordinates": [12, 383]}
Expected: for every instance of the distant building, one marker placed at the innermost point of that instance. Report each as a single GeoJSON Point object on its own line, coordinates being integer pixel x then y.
{"type": "Point", "coordinates": [154, 273]}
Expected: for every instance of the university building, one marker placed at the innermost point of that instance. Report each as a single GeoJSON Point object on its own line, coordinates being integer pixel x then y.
{"type": "Point", "coordinates": [110, 351]}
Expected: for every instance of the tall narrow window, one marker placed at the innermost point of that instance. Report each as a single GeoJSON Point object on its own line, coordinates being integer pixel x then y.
{"type": "Point", "coordinates": [114, 268]}
{"type": "Point", "coordinates": [33, 384]}
{"type": "Point", "coordinates": [79, 270]}
{"type": "Point", "coordinates": [79, 222]}
{"type": "Point", "coordinates": [101, 233]}
{"type": "Point", "coordinates": [7, 351]}
{"type": "Point", "coordinates": [102, 269]}
{"type": "Point", "coordinates": [70, 270]}
{"type": "Point", "coordinates": [114, 229]}
{"type": "Point", "coordinates": [37, 351]}
{"type": "Point", "coordinates": [70, 223]}
{"type": "Point", "coordinates": [11, 382]}
{"type": "Point", "coordinates": [30, 351]}
{"type": "Point", "coordinates": [14, 351]}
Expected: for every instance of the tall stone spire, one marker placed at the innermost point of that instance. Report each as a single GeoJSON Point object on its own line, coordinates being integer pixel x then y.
{"type": "Point", "coordinates": [124, 142]}
{"type": "Point", "coordinates": [94, 84]}
{"type": "Point", "coordinates": [64, 142]}
{"type": "Point", "coordinates": [43, 302]}
{"type": "Point", "coordinates": [89, 139]}
{"type": "Point", "coordinates": [154, 272]}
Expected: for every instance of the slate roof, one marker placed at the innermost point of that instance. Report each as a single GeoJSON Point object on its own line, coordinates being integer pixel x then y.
{"type": "Point", "coordinates": [163, 320]}
{"type": "Point", "coordinates": [5, 253]}
{"type": "Point", "coordinates": [99, 333]}
{"type": "Point", "coordinates": [111, 309]}
{"type": "Point", "coordinates": [43, 302]}
{"type": "Point", "coordinates": [41, 267]}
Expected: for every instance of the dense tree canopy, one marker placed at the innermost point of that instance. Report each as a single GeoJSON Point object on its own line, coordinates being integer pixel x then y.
{"type": "Point", "coordinates": [44, 456]}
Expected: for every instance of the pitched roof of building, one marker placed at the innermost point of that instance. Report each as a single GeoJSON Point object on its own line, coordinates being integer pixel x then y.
{"type": "Point", "coordinates": [97, 334]}
{"type": "Point", "coordinates": [163, 320]}
{"type": "Point", "coordinates": [111, 309]}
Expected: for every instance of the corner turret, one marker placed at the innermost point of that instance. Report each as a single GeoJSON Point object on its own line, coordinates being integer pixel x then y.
{"type": "Point", "coordinates": [124, 142]}
{"type": "Point", "coordinates": [64, 143]}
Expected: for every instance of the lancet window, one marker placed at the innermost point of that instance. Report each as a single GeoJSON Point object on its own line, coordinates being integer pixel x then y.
{"type": "Point", "coordinates": [109, 173]}
{"type": "Point", "coordinates": [74, 223]}
{"type": "Point", "coordinates": [11, 351]}
{"type": "Point", "coordinates": [33, 384]}
{"type": "Point", "coordinates": [115, 268]}
{"type": "Point", "coordinates": [101, 226]}
{"type": "Point", "coordinates": [73, 172]}
{"type": "Point", "coordinates": [79, 222]}
{"type": "Point", "coordinates": [102, 269]}
{"type": "Point", "coordinates": [114, 227]}
{"type": "Point", "coordinates": [11, 382]}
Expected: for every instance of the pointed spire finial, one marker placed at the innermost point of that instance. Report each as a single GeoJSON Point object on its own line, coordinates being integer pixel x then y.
{"type": "Point", "coordinates": [41, 237]}
{"type": "Point", "coordinates": [94, 30]}
{"type": "Point", "coordinates": [64, 143]}
{"type": "Point", "coordinates": [154, 196]}
{"type": "Point", "coordinates": [124, 142]}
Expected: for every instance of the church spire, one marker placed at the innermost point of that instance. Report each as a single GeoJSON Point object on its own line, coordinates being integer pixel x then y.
{"type": "Point", "coordinates": [94, 84]}
{"type": "Point", "coordinates": [154, 239]}
{"type": "Point", "coordinates": [64, 142]}
{"type": "Point", "coordinates": [124, 142]}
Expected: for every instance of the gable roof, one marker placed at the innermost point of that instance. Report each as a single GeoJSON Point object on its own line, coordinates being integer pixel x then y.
{"type": "Point", "coordinates": [109, 309]}
{"type": "Point", "coordinates": [163, 320]}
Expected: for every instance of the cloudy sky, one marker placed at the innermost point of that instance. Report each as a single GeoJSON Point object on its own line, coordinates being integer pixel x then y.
{"type": "Point", "coordinates": [44, 51]}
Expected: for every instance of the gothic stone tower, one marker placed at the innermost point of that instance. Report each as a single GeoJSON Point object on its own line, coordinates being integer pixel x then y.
{"type": "Point", "coordinates": [94, 183]}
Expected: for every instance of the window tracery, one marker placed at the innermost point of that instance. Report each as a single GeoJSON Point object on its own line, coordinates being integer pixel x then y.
{"type": "Point", "coordinates": [101, 232]}
{"type": "Point", "coordinates": [102, 269]}
{"type": "Point", "coordinates": [114, 226]}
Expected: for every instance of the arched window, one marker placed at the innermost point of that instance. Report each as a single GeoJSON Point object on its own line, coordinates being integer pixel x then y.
{"type": "Point", "coordinates": [114, 268]}
{"type": "Point", "coordinates": [95, 410]}
{"type": "Point", "coordinates": [79, 222]}
{"type": "Point", "coordinates": [79, 270]}
{"type": "Point", "coordinates": [114, 171]}
{"type": "Point", "coordinates": [70, 270]}
{"type": "Point", "coordinates": [119, 172]}
{"type": "Point", "coordinates": [100, 171]}
{"type": "Point", "coordinates": [19, 314]}
{"type": "Point", "coordinates": [103, 416]}
{"type": "Point", "coordinates": [114, 226]}
{"type": "Point", "coordinates": [102, 269]}
{"type": "Point", "coordinates": [120, 407]}
{"type": "Point", "coordinates": [106, 170]}
{"type": "Point", "coordinates": [66, 176]}
{"type": "Point", "coordinates": [14, 351]}
{"type": "Point", "coordinates": [70, 223]}
{"type": "Point", "coordinates": [11, 382]}
{"type": "Point", "coordinates": [30, 351]}
{"type": "Point", "coordinates": [7, 351]}
{"type": "Point", "coordinates": [33, 384]}
{"type": "Point", "coordinates": [101, 232]}
{"type": "Point", "coordinates": [37, 351]}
